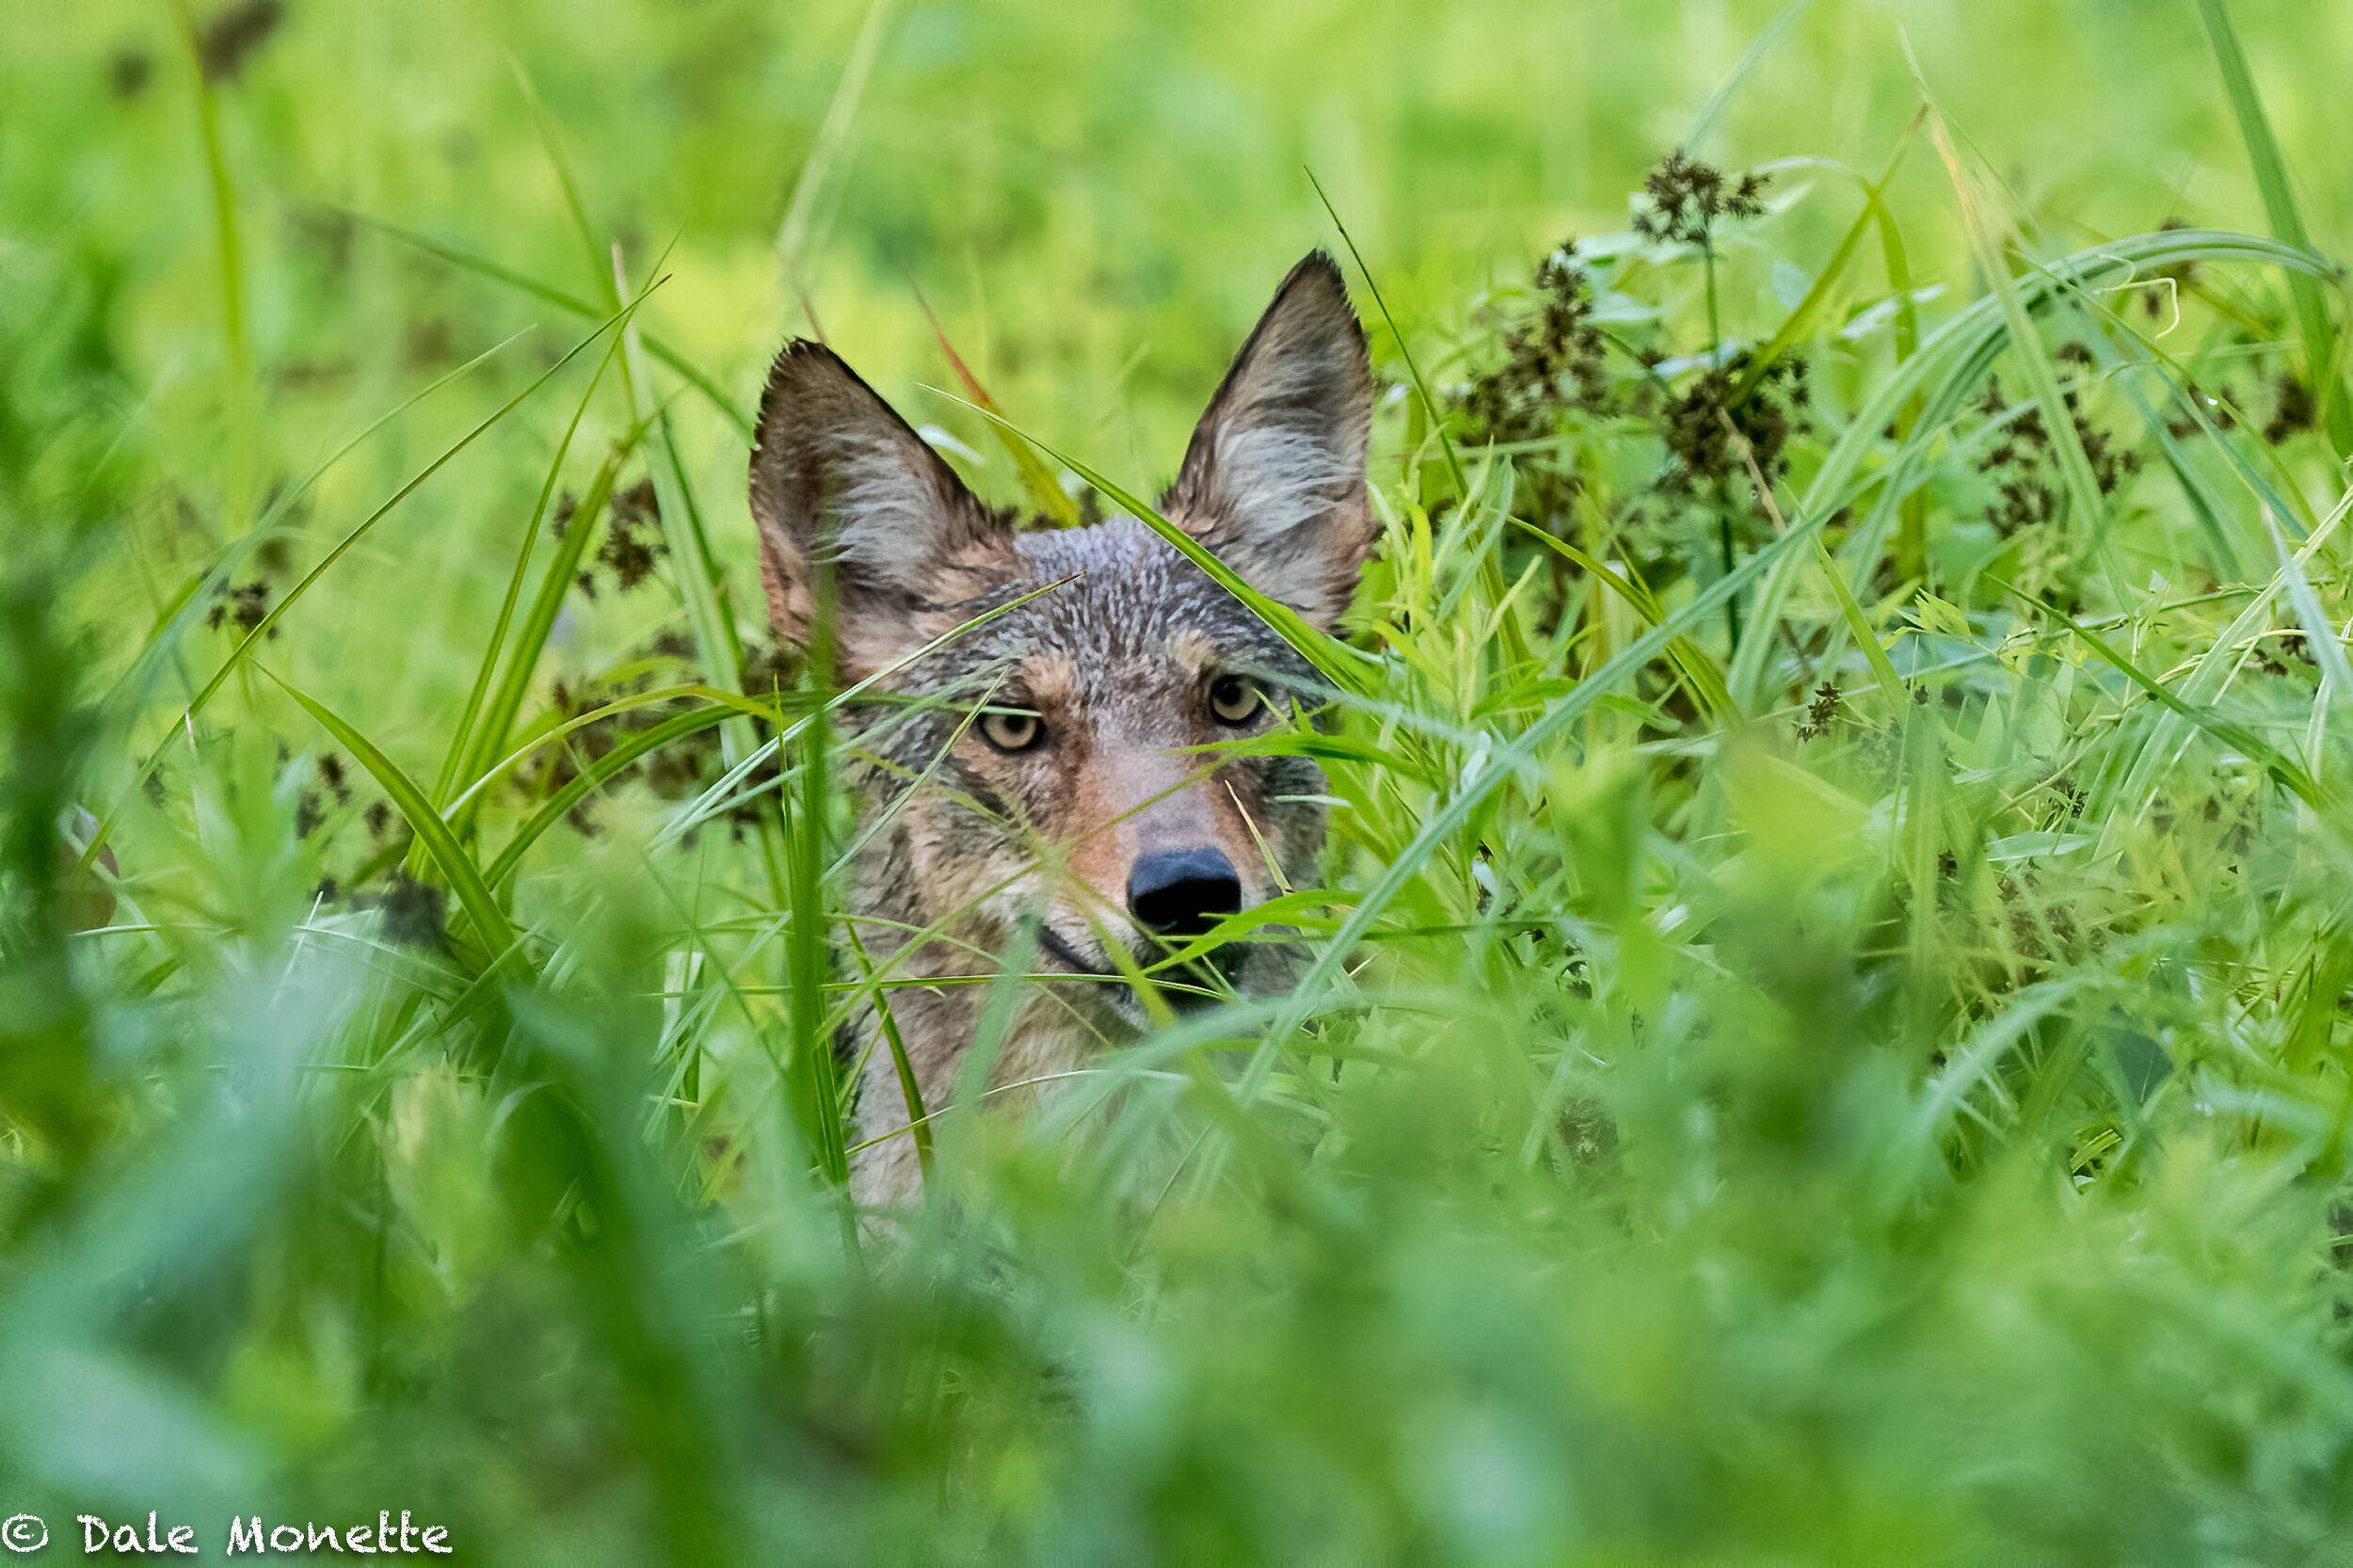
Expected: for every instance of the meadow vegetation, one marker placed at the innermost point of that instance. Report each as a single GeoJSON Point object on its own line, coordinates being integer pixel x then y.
{"type": "Point", "coordinates": [1826, 1033]}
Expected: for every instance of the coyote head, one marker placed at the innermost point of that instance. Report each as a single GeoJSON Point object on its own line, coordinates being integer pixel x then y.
{"type": "Point", "coordinates": [1057, 768]}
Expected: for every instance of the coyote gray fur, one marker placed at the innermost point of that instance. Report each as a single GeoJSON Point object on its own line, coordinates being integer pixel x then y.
{"type": "Point", "coordinates": [1054, 797]}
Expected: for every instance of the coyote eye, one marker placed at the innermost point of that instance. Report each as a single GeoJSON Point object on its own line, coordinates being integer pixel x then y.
{"type": "Point", "coordinates": [1235, 701]}
{"type": "Point", "coordinates": [1011, 731]}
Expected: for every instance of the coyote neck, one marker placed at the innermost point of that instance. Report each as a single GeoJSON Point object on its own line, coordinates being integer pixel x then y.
{"type": "Point", "coordinates": [1050, 1034]}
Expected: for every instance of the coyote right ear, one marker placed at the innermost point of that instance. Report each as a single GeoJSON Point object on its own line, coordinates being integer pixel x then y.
{"type": "Point", "coordinates": [839, 479]}
{"type": "Point", "coordinates": [1274, 482]}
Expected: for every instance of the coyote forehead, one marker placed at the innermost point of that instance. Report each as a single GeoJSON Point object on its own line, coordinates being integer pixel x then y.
{"type": "Point", "coordinates": [1112, 604]}
{"type": "Point", "coordinates": [1053, 780]}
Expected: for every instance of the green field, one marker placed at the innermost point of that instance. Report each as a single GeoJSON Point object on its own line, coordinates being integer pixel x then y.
{"type": "Point", "coordinates": [1827, 1036]}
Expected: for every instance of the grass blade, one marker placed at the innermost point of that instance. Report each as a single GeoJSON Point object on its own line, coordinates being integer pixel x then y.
{"type": "Point", "coordinates": [473, 261]}
{"type": "Point", "coordinates": [1912, 532]}
{"type": "Point", "coordinates": [277, 611]}
{"type": "Point", "coordinates": [692, 567]}
{"type": "Point", "coordinates": [1514, 642]}
{"type": "Point", "coordinates": [1502, 765]}
{"type": "Point", "coordinates": [809, 1069]}
{"type": "Point", "coordinates": [919, 1117]}
{"type": "Point", "coordinates": [1750, 57]}
{"type": "Point", "coordinates": [1036, 478]}
{"type": "Point", "coordinates": [598, 268]}
{"type": "Point", "coordinates": [1801, 321]}
{"type": "Point", "coordinates": [180, 612]}
{"type": "Point", "coordinates": [2026, 343]}
{"type": "Point", "coordinates": [1706, 682]}
{"type": "Point", "coordinates": [1421, 387]}
{"type": "Point", "coordinates": [594, 774]}
{"type": "Point", "coordinates": [833, 133]}
{"type": "Point", "coordinates": [2288, 223]}
{"type": "Point", "coordinates": [2320, 633]}
{"type": "Point", "coordinates": [1865, 635]}
{"type": "Point", "coordinates": [2283, 771]}
{"type": "Point", "coordinates": [225, 232]}
{"type": "Point", "coordinates": [491, 924]}
{"type": "Point", "coordinates": [507, 697]}
{"type": "Point", "coordinates": [1948, 365]}
{"type": "Point", "coordinates": [461, 737]}
{"type": "Point", "coordinates": [596, 715]}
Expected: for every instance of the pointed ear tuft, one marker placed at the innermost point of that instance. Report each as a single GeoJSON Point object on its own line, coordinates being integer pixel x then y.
{"type": "Point", "coordinates": [838, 477]}
{"type": "Point", "coordinates": [1274, 482]}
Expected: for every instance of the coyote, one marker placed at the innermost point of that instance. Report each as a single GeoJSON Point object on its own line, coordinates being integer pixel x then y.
{"type": "Point", "coordinates": [1048, 794]}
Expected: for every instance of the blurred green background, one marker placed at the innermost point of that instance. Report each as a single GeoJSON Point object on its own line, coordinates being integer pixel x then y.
{"type": "Point", "coordinates": [1855, 1153]}
{"type": "Point", "coordinates": [1094, 200]}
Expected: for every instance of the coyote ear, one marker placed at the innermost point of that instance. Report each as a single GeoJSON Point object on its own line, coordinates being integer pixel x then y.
{"type": "Point", "coordinates": [838, 478]}
{"type": "Point", "coordinates": [1274, 482]}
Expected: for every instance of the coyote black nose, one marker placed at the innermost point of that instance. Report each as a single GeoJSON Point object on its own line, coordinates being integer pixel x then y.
{"type": "Point", "coordinates": [1182, 893]}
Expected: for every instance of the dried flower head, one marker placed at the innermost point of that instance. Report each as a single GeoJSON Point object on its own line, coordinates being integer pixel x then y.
{"type": "Point", "coordinates": [246, 607]}
{"type": "Point", "coordinates": [1819, 713]}
{"type": "Point", "coordinates": [234, 34]}
{"type": "Point", "coordinates": [1684, 198]}
{"type": "Point", "coordinates": [1552, 360]}
{"type": "Point", "coordinates": [2294, 408]}
{"type": "Point", "coordinates": [1714, 430]}
{"type": "Point", "coordinates": [2023, 463]}
{"type": "Point", "coordinates": [415, 913]}
{"type": "Point", "coordinates": [633, 541]}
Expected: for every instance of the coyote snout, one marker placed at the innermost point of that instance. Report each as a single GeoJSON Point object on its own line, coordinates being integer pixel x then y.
{"type": "Point", "coordinates": [1061, 767]}
{"type": "Point", "coordinates": [1183, 892]}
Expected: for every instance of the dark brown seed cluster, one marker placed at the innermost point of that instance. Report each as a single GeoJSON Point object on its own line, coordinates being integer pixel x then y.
{"type": "Point", "coordinates": [245, 607]}
{"type": "Point", "coordinates": [2294, 409]}
{"type": "Point", "coordinates": [311, 809]}
{"type": "Point", "coordinates": [333, 781]}
{"type": "Point", "coordinates": [1713, 432]}
{"type": "Point", "coordinates": [128, 71]}
{"type": "Point", "coordinates": [633, 541]}
{"type": "Point", "coordinates": [1722, 421]}
{"type": "Point", "coordinates": [1552, 361]}
{"type": "Point", "coordinates": [685, 767]}
{"type": "Point", "coordinates": [1819, 714]}
{"type": "Point", "coordinates": [415, 914]}
{"type": "Point", "coordinates": [1684, 199]}
{"type": "Point", "coordinates": [2027, 924]}
{"type": "Point", "coordinates": [2293, 645]}
{"type": "Point", "coordinates": [234, 34]}
{"type": "Point", "coordinates": [2219, 412]}
{"type": "Point", "coordinates": [2023, 463]}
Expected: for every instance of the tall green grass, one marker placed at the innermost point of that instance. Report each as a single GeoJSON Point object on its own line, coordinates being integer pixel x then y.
{"type": "Point", "coordinates": [1823, 1036]}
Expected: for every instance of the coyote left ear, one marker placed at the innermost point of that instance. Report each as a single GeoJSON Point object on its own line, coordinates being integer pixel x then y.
{"type": "Point", "coordinates": [839, 480]}
{"type": "Point", "coordinates": [1273, 482]}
